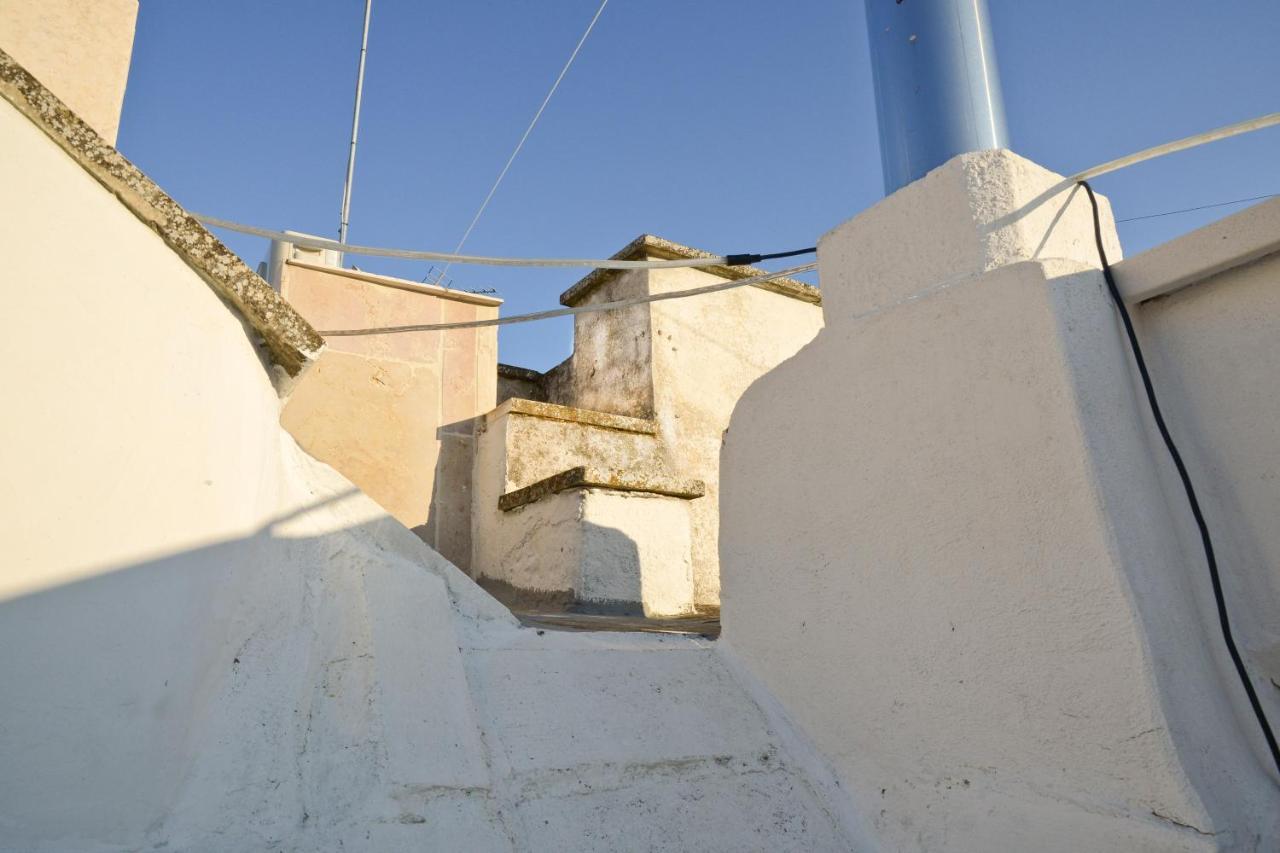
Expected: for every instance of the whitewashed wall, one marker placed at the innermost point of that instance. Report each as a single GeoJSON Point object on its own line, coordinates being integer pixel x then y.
{"type": "Point", "coordinates": [949, 549]}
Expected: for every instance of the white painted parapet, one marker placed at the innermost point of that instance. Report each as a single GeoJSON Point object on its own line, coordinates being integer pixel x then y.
{"type": "Point", "coordinates": [948, 548]}
{"type": "Point", "coordinates": [1212, 339]}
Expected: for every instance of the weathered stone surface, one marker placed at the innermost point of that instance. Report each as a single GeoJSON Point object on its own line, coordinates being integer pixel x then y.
{"type": "Point", "coordinates": [585, 477]}
{"type": "Point", "coordinates": [290, 340]}
{"type": "Point", "coordinates": [571, 414]}
{"type": "Point", "coordinates": [649, 247]}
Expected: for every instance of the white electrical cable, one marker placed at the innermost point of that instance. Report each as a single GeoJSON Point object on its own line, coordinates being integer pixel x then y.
{"type": "Point", "coordinates": [720, 260]}
{"type": "Point", "coordinates": [577, 309]}
{"type": "Point", "coordinates": [528, 130]}
{"type": "Point", "coordinates": [481, 260]}
{"type": "Point", "coordinates": [1178, 145]}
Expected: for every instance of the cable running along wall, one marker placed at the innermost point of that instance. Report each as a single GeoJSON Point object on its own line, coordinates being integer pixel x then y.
{"type": "Point", "coordinates": [1206, 539]}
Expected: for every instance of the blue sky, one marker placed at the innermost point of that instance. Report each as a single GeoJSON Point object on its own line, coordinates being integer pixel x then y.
{"type": "Point", "coordinates": [730, 125]}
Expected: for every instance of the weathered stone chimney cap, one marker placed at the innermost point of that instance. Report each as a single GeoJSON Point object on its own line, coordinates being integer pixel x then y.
{"type": "Point", "coordinates": [650, 247]}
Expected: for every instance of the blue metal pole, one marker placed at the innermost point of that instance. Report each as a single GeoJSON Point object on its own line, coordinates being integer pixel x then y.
{"type": "Point", "coordinates": [937, 87]}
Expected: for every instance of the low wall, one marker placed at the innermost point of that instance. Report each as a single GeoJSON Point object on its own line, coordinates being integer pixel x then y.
{"type": "Point", "coordinates": [1208, 313]}
{"type": "Point", "coordinates": [395, 413]}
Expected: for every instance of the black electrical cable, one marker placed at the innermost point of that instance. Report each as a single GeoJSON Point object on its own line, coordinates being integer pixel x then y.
{"type": "Point", "coordinates": [1223, 619]}
{"type": "Point", "coordinates": [744, 260]}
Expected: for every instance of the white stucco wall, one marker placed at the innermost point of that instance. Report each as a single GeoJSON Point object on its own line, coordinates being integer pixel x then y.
{"type": "Point", "coordinates": [1213, 347]}
{"type": "Point", "coordinates": [970, 573]}
{"type": "Point", "coordinates": [212, 642]}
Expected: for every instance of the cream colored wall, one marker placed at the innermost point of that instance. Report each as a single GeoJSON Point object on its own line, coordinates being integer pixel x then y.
{"type": "Point", "coordinates": [395, 413]}
{"type": "Point", "coordinates": [78, 49]}
{"type": "Point", "coordinates": [956, 564]}
{"type": "Point", "coordinates": [134, 431]}
{"type": "Point", "coordinates": [707, 351]}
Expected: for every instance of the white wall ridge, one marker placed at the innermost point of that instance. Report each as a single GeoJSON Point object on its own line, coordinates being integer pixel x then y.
{"type": "Point", "coordinates": [1232, 242]}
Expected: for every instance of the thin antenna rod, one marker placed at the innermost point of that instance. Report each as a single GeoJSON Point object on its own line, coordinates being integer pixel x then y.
{"type": "Point", "coordinates": [355, 129]}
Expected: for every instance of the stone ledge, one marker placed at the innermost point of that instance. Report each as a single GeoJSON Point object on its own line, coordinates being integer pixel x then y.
{"type": "Point", "coordinates": [290, 340]}
{"type": "Point", "coordinates": [658, 249]}
{"type": "Point", "coordinates": [586, 477]}
{"type": "Point", "coordinates": [399, 283]}
{"type": "Point", "coordinates": [511, 371]}
{"type": "Point", "coordinates": [556, 412]}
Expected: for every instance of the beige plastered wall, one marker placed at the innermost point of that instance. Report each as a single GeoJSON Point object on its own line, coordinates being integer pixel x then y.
{"type": "Point", "coordinates": [80, 50]}
{"type": "Point", "coordinates": [960, 566]}
{"type": "Point", "coordinates": [706, 351]}
{"type": "Point", "coordinates": [396, 413]}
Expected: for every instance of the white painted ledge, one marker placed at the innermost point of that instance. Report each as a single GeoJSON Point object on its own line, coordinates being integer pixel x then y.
{"type": "Point", "coordinates": [1232, 242]}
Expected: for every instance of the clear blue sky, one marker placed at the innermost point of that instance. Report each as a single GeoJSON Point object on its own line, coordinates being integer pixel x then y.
{"type": "Point", "coordinates": [730, 125]}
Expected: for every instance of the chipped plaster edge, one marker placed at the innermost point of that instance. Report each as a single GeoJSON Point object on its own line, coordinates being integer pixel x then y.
{"type": "Point", "coordinates": [588, 477]}
{"type": "Point", "coordinates": [557, 412]}
{"type": "Point", "coordinates": [291, 343]}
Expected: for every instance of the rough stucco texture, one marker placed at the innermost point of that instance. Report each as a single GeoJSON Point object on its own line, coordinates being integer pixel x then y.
{"type": "Point", "coordinates": [956, 567]}
{"type": "Point", "coordinates": [79, 50]}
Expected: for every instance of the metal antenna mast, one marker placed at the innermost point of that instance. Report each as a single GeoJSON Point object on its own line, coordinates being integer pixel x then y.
{"type": "Point", "coordinates": [355, 129]}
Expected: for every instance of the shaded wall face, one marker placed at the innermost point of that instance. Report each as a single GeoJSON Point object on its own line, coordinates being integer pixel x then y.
{"type": "Point", "coordinates": [133, 431]}
{"type": "Point", "coordinates": [79, 50]}
{"type": "Point", "coordinates": [395, 413]}
{"type": "Point", "coordinates": [611, 364]}
{"type": "Point", "coordinates": [1214, 351]}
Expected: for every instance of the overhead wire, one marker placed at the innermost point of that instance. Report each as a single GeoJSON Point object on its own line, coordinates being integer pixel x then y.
{"type": "Point", "coordinates": [1183, 144]}
{"type": "Point", "coordinates": [313, 242]}
{"type": "Point", "coordinates": [1199, 207]}
{"type": "Point", "coordinates": [574, 309]}
{"type": "Point", "coordinates": [525, 136]}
